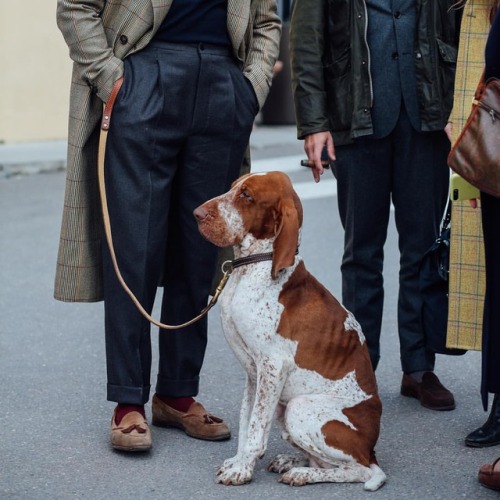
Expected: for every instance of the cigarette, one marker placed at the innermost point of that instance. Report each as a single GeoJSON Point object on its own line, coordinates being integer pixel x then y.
{"type": "Point", "coordinates": [310, 163]}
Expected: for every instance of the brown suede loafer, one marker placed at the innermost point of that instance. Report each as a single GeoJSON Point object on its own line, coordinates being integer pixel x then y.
{"type": "Point", "coordinates": [132, 434]}
{"type": "Point", "coordinates": [490, 477]}
{"type": "Point", "coordinates": [430, 392]}
{"type": "Point", "coordinates": [196, 422]}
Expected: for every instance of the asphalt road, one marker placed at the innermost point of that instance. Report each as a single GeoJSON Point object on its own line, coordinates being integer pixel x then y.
{"type": "Point", "coordinates": [54, 417]}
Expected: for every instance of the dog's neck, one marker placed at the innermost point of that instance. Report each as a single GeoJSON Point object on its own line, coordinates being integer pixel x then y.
{"type": "Point", "coordinates": [251, 246]}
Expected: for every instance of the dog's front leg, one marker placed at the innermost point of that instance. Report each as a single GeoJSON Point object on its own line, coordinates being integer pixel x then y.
{"type": "Point", "coordinates": [253, 438]}
{"type": "Point", "coordinates": [245, 413]}
{"type": "Point", "coordinates": [246, 409]}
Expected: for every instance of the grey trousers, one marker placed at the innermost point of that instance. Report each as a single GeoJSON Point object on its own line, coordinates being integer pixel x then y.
{"type": "Point", "coordinates": [410, 169]}
{"type": "Point", "coordinates": [179, 130]}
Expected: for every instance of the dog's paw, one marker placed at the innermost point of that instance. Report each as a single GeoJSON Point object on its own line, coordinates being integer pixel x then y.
{"type": "Point", "coordinates": [227, 464]}
{"type": "Point", "coordinates": [283, 463]}
{"type": "Point", "coordinates": [234, 473]}
{"type": "Point", "coordinates": [297, 476]}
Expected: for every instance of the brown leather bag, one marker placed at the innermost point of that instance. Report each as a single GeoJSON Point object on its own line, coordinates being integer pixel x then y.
{"type": "Point", "coordinates": [476, 154]}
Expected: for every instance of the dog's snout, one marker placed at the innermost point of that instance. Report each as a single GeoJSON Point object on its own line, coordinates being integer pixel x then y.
{"type": "Point", "coordinates": [200, 213]}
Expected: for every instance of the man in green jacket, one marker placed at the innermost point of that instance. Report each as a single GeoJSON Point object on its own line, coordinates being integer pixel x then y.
{"type": "Point", "coordinates": [373, 88]}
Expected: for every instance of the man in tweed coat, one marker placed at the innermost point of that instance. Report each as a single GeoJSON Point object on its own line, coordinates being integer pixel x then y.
{"type": "Point", "coordinates": [189, 78]}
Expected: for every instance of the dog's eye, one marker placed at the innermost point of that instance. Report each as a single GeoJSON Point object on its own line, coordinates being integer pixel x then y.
{"type": "Point", "coordinates": [246, 196]}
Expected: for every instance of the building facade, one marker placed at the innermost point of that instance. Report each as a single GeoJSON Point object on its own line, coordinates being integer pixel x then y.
{"type": "Point", "coordinates": [35, 73]}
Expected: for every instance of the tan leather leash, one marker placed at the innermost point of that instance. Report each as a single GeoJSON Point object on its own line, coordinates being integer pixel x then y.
{"type": "Point", "coordinates": [106, 118]}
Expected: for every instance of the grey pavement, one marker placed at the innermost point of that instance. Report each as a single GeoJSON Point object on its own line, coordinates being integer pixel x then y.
{"type": "Point", "coordinates": [54, 415]}
{"type": "Point", "coordinates": [49, 156]}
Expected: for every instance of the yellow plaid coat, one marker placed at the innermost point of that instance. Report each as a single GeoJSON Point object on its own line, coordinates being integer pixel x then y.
{"type": "Point", "coordinates": [100, 34]}
{"type": "Point", "coordinates": [467, 275]}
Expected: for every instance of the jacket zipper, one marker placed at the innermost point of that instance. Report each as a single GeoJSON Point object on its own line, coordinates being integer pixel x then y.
{"type": "Point", "coordinates": [368, 62]}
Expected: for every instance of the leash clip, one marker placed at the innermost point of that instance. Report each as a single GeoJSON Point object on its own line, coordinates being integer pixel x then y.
{"type": "Point", "coordinates": [227, 269]}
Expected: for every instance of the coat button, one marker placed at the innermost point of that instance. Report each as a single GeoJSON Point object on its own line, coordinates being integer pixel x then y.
{"type": "Point", "coordinates": [123, 39]}
{"type": "Point", "coordinates": [418, 55]}
{"type": "Point", "coordinates": [395, 56]}
{"type": "Point", "coordinates": [397, 14]}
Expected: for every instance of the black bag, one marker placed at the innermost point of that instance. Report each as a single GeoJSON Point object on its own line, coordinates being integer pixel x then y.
{"type": "Point", "coordinates": [433, 282]}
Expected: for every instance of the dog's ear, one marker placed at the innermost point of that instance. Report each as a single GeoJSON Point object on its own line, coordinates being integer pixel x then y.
{"type": "Point", "coordinates": [287, 236]}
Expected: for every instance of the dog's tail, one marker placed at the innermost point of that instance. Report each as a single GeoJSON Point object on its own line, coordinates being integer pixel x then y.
{"type": "Point", "coordinates": [378, 476]}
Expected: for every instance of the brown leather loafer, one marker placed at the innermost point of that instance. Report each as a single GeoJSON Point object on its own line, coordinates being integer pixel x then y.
{"type": "Point", "coordinates": [132, 434]}
{"type": "Point", "coordinates": [430, 392]}
{"type": "Point", "coordinates": [196, 422]}
{"type": "Point", "coordinates": [490, 477]}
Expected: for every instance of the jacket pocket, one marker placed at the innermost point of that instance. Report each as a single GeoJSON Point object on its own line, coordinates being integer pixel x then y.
{"type": "Point", "coordinates": [339, 96]}
{"type": "Point", "coordinates": [447, 52]}
{"type": "Point", "coordinates": [339, 65]}
{"type": "Point", "coordinates": [447, 61]}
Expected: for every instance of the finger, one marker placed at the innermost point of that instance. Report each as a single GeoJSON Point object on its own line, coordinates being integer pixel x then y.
{"type": "Point", "coordinates": [317, 174]}
{"type": "Point", "coordinates": [330, 148]}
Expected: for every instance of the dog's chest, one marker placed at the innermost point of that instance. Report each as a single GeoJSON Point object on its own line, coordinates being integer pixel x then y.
{"type": "Point", "coordinates": [250, 304]}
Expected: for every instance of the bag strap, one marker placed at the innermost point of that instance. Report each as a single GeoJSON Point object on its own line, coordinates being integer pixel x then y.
{"type": "Point", "coordinates": [106, 119]}
{"type": "Point", "coordinates": [446, 220]}
{"type": "Point", "coordinates": [480, 88]}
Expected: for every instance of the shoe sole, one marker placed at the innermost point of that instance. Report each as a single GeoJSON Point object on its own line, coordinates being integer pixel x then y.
{"type": "Point", "coordinates": [493, 488]}
{"type": "Point", "coordinates": [158, 423]}
{"type": "Point", "coordinates": [412, 394]}
{"type": "Point", "coordinates": [409, 393]}
{"type": "Point", "coordinates": [131, 448]}
{"type": "Point", "coordinates": [472, 444]}
{"type": "Point", "coordinates": [439, 408]}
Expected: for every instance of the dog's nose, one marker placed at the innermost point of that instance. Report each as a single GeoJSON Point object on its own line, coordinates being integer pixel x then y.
{"type": "Point", "coordinates": [200, 213]}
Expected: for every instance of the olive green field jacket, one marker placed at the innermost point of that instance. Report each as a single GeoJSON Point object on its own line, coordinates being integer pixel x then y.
{"type": "Point", "coordinates": [330, 61]}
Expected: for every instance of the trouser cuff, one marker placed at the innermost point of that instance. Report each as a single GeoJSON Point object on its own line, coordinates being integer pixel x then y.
{"type": "Point", "coordinates": [177, 388]}
{"type": "Point", "coordinates": [128, 395]}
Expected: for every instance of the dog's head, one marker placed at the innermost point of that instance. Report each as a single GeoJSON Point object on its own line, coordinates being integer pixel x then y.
{"type": "Point", "coordinates": [259, 210]}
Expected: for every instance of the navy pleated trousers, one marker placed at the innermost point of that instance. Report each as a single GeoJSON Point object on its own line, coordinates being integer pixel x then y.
{"type": "Point", "coordinates": [178, 133]}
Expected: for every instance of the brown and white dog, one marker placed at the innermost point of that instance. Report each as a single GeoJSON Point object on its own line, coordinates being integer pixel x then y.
{"type": "Point", "coordinates": [305, 355]}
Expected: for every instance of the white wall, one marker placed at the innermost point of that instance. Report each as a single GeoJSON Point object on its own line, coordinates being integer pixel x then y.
{"type": "Point", "coordinates": [35, 72]}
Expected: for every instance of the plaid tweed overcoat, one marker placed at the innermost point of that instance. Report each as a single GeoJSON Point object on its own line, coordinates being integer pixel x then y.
{"type": "Point", "coordinates": [467, 273]}
{"type": "Point", "coordinates": [100, 34]}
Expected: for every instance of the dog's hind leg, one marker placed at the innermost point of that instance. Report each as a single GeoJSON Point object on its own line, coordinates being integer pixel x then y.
{"type": "Point", "coordinates": [337, 450]}
{"type": "Point", "coordinates": [343, 473]}
{"type": "Point", "coordinates": [372, 477]}
{"type": "Point", "coordinates": [284, 462]}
